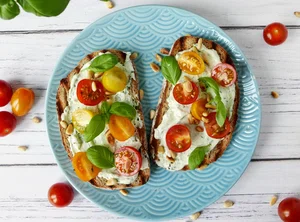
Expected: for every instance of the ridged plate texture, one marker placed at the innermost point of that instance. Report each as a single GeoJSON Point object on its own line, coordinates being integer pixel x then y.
{"type": "Point", "coordinates": [146, 29]}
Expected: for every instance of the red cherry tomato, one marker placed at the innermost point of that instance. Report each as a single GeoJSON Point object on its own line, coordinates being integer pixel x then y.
{"type": "Point", "coordinates": [214, 130]}
{"type": "Point", "coordinates": [275, 33]}
{"type": "Point", "coordinates": [186, 93]}
{"type": "Point", "coordinates": [289, 209]}
{"type": "Point", "coordinates": [87, 96]}
{"type": "Point", "coordinates": [224, 74]}
{"type": "Point", "coordinates": [60, 194]}
{"type": "Point", "coordinates": [8, 123]}
{"type": "Point", "coordinates": [178, 138]}
{"type": "Point", "coordinates": [128, 161]}
{"type": "Point", "coordinates": [5, 93]}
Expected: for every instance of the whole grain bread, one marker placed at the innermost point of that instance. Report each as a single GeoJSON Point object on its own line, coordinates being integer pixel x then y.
{"type": "Point", "coordinates": [181, 44]}
{"type": "Point", "coordinates": [62, 103]}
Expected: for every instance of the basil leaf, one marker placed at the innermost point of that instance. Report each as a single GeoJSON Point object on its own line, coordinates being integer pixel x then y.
{"type": "Point", "coordinates": [4, 2]}
{"type": "Point", "coordinates": [197, 156]}
{"type": "Point", "coordinates": [101, 157]}
{"type": "Point", "coordinates": [213, 87]}
{"type": "Point", "coordinates": [103, 63]}
{"type": "Point", "coordinates": [170, 69]}
{"type": "Point", "coordinates": [105, 107]}
{"type": "Point", "coordinates": [94, 128]}
{"type": "Point", "coordinates": [123, 109]}
{"type": "Point", "coordinates": [45, 8]}
{"type": "Point", "coordinates": [9, 10]}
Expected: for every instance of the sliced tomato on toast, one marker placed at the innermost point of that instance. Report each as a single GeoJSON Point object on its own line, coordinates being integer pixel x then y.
{"type": "Point", "coordinates": [178, 138]}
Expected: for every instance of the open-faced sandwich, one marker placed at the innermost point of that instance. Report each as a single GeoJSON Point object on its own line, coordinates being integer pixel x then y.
{"type": "Point", "coordinates": [101, 121]}
{"type": "Point", "coordinates": [197, 110]}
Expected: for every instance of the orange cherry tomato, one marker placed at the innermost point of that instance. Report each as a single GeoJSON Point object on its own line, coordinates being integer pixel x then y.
{"type": "Point", "coordinates": [191, 63]}
{"type": "Point", "coordinates": [198, 108]}
{"type": "Point", "coordinates": [128, 160]}
{"type": "Point", "coordinates": [121, 127]}
{"type": "Point", "coordinates": [186, 96]}
{"type": "Point", "coordinates": [84, 169]}
{"type": "Point", "coordinates": [22, 101]}
{"type": "Point", "coordinates": [178, 138]}
{"type": "Point", "coordinates": [214, 130]}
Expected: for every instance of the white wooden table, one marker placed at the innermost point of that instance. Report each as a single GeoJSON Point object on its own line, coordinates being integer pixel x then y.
{"type": "Point", "coordinates": [30, 47]}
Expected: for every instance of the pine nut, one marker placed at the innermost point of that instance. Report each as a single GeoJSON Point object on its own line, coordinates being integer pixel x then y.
{"type": "Point", "coordinates": [36, 119]}
{"type": "Point", "coordinates": [124, 192]}
{"type": "Point", "coordinates": [154, 67]}
{"type": "Point", "coordinates": [199, 128]}
{"type": "Point", "coordinates": [204, 120]}
{"type": "Point", "coordinates": [199, 44]}
{"type": "Point", "coordinates": [109, 4]}
{"type": "Point", "coordinates": [228, 203]}
{"type": "Point", "coordinates": [164, 51]}
{"type": "Point", "coordinates": [109, 99]}
{"type": "Point", "coordinates": [195, 216]}
{"type": "Point", "coordinates": [207, 97]}
{"type": "Point", "coordinates": [134, 55]}
{"type": "Point", "coordinates": [193, 120]}
{"type": "Point", "coordinates": [90, 74]}
{"type": "Point", "coordinates": [173, 155]}
{"type": "Point", "coordinates": [109, 137]}
{"type": "Point", "coordinates": [170, 159]}
{"type": "Point", "coordinates": [111, 182]}
{"type": "Point", "coordinates": [202, 167]}
{"type": "Point", "coordinates": [108, 93]}
{"type": "Point", "coordinates": [205, 114]}
{"type": "Point", "coordinates": [70, 129]}
{"type": "Point", "coordinates": [142, 93]}
{"type": "Point", "coordinates": [98, 74]}
{"type": "Point", "coordinates": [22, 148]}
{"type": "Point", "coordinates": [161, 149]}
{"type": "Point", "coordinates": [274, 94]}
{"type": "Point", "coordinates": [209, 106]}
{"type": "Point", "coordinates": [297, 14]}
{"type": "Point", "coordinates": [273, 200]}
{"type": "Point", "coordinates": [63, 124]}
{"type": "Point", "coordinates": [152, 114]}
{"type": "Point", "coordinates": [158, 58]}
{"type": "Point", "coordinates": [187, 86]}
{"type": "Point", "coordinates": [187, 78]}
{"type": "Point", "coordinates": [94, 87]}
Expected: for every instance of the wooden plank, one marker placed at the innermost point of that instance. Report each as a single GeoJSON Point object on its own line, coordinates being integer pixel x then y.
{"type": "Point", "coordinates": [275, 68]}
{"type": "Point", "coordinates": [81, 13]}
{"type": "Point", "coordinates": [26, 198]}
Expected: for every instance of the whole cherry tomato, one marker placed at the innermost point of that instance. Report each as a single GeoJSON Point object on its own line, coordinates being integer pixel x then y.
{"type": "Point", "coordinates": [8, 123]}
{"type": "Point", "coordinates": [289, 209]}
{"type": "Point", "coordinates": [22, 101]}
{"type": "Point", "coordinates": [275, 33]}
{"type": "Point", "coordinates": [5, 93]}
{"type": "Point", "coordinates": [60, 194]}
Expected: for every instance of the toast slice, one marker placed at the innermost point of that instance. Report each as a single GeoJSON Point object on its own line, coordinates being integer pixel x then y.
{"type": "Point", "coordinates": [62, 103]}
{"type": "Point", "coordinates": [182, 44]}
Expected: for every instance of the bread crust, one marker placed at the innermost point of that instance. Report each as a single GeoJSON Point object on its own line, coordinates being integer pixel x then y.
{"type": "Point", "coordinates": [62, 103]}
{"type": "Point", "coordinates": [181, 44]}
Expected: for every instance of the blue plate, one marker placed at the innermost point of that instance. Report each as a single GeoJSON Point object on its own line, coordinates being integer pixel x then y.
{"type": "Point", "coordinates": [146, 29]}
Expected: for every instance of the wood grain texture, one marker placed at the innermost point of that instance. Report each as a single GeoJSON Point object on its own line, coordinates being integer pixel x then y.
{"type": "Point", "coordinates": [275, 68]}
{"type": "Point", "coordinates": [233, 13]}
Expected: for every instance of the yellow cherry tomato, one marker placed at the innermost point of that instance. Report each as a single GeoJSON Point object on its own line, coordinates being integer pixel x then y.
{"type": "Point", "coordinates": [22, 101]}
{"type": "Point", "coordinates": [198, 108]}
{"type": "Point", "coordinates": [81, 119]}
{"type": "Point", "coordinates": [191, 63]}
{"type": "Point", "coordinates": [114, 80]}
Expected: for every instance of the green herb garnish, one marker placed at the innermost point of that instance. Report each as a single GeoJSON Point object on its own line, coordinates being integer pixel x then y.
{"type": "Point", "coordinates": [101, 157]}
{"type": "Point", "coordinates": [197, 156]}
{"type": "Point", "coordinates": [170, 69]}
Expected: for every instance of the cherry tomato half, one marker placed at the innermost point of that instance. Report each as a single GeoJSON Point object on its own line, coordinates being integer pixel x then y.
{"type": "Point", "coordinates": [60, 194]}
{"type": "Point", "coordinates": [5, 93]}
{"type": "Point", "coordinates": [87, 96]}
{"type": "Point", "coordinates": [224, 74]}
{"type": "Point", "coordinates": [198, 108]}
{"type": "Point", "coordinates": [128, 161]}
{"type": "Point", "coordinates": [178, 138]}
{"type": "Point", "coordinates": [22, 101]}
{"type": "Point", "coordinates": [8, 123]}
{"type": "Point", "coordinates": [186, 92]}
{"type": "Point", "coordinates": [84, 169]}
{"type": "Point", "coordinates": [289, 209]}
{"type": "Point", "coordinates": [275, 33]}
{"type": "Point", "coordinates": [214, 130]}
{"type": "Point", "coordinates": [121, 127]}
{"type": "Point", "coordinates": [191, 63]}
